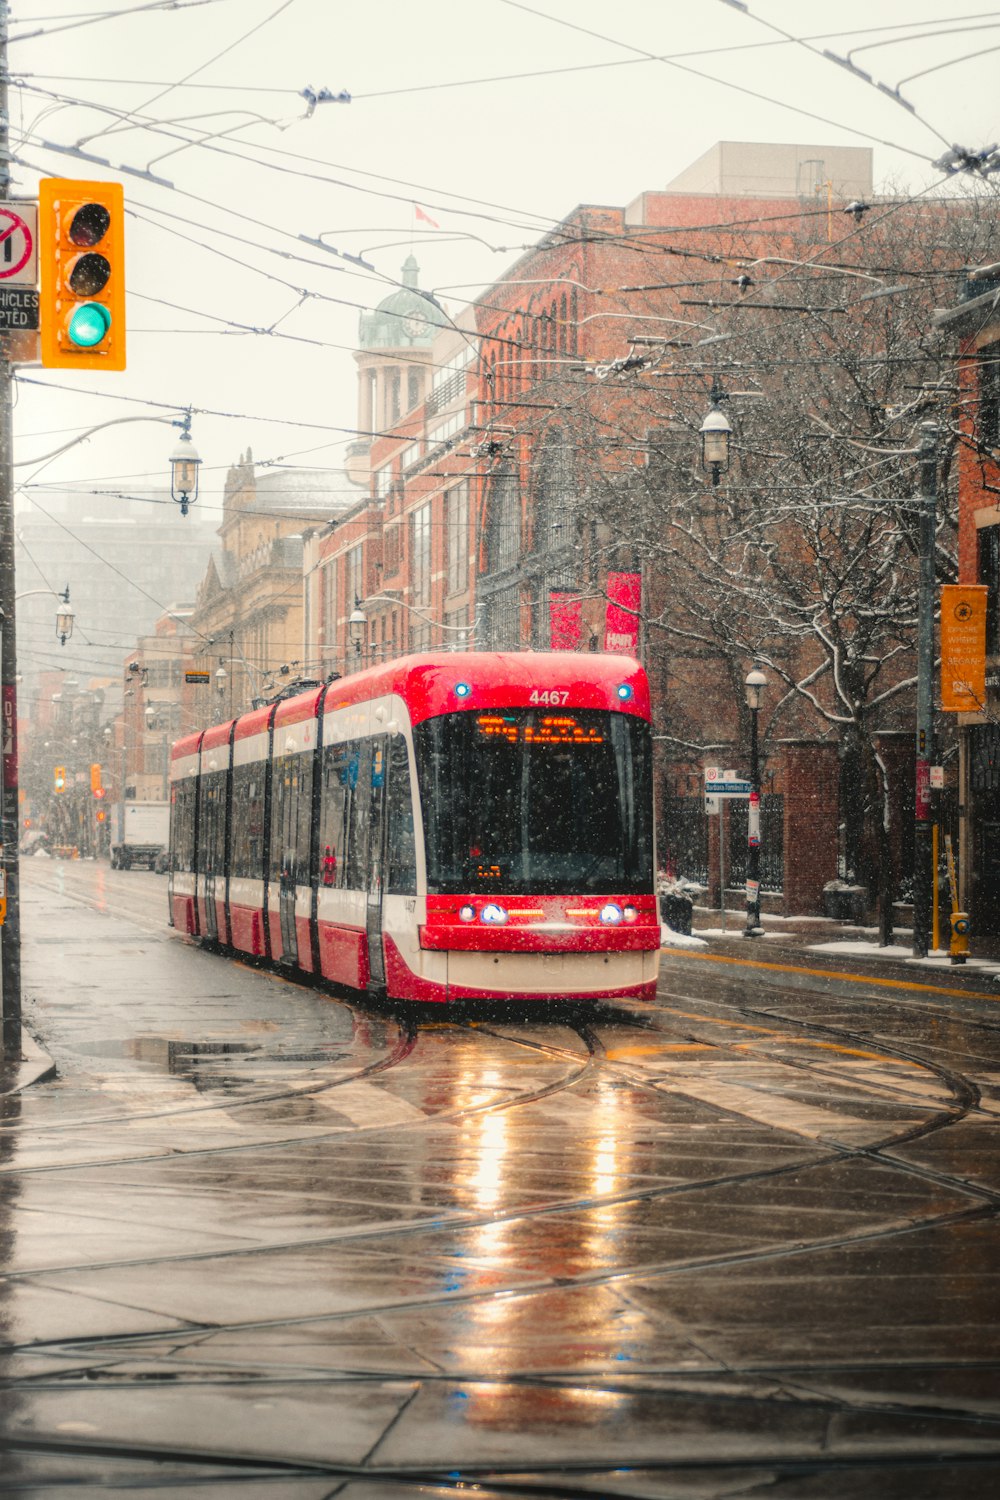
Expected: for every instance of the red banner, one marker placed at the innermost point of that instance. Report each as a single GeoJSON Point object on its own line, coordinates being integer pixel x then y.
{"type": "Point", "coordinates": [621, 628]}
{"type": "Point", "coordinates": [564, 621]}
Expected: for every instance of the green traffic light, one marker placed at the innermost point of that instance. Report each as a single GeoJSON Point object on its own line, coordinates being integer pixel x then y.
{"type": "Point", "coordinates": [88, 324]}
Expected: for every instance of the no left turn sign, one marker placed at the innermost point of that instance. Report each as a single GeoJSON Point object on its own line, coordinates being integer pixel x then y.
{"type": "Point", "coordinates": [18, 244]}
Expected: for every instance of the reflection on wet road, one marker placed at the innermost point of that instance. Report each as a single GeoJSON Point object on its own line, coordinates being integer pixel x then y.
{"type": "Point", "coordinates": [742, 1241]}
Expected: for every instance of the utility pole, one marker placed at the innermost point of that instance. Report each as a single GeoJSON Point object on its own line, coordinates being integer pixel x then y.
{"type": "Point", "coordinates": [10, 933]}
{"type": "Point", "coordinates": [923, 875]}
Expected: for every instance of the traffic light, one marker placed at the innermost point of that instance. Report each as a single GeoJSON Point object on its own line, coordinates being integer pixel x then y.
{"type": "Point", "coordinates": [95, 781]}
{"type": "Point", "coordinates": [59, 778]}
{"type": "Point", "coordinates": [81, 256]}
{"type": "Point", "coordinates": [101, 815]}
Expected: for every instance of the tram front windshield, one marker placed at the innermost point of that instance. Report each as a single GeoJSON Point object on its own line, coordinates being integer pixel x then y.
{"type": "Point", "coordinates": [522, 801]}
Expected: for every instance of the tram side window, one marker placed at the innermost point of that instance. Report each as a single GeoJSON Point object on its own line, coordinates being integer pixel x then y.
{"type": "Point", "coordinates": [284, 817]}
{"type": "Point", "coordinates": [302, 831]}
{"type": "Point", "coordinates": [182, 804]}
{"type": "Point", "coordinates": [248, 822]}
{"type": "Point", "coordinates": [335, 805]}
{"type": "Point", "coordinates": [360, 774]}
{"type": "Point", "coordinates": [401, 874]}
{"type": "Point", "coordinates": [213, 821]}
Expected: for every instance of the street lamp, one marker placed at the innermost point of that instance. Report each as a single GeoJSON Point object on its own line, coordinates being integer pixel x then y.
{"type": "Point", "coordinates": [65, 615]}
{"type": "Point", "coordinates": [753, 686]}
{"type": "Point", "coordinates": [357, 626]}
{"type": "Point", "coordinates": [716, 430]}
{"type": "Point", "coordinates": [184, 465]}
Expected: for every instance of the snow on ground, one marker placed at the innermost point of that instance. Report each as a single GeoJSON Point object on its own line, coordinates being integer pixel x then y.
{"type": "Point", "coordinates": [671, 939]}
{"type": "Point", "coordinates": [735, 929]}
{"type": "Point", "coordinates": [939, 959]}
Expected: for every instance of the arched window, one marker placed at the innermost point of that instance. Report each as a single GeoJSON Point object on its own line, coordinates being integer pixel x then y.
{"type": "Point", "coordinates": [412, 388]}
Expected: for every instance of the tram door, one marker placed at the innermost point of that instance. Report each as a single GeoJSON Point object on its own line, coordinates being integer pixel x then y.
{"type": "Point", "coordinates": [211, 843]}
{"type": "Point", "coordinates": [286, 834]}
{"type": "Point", "coordinates": [376, 865]}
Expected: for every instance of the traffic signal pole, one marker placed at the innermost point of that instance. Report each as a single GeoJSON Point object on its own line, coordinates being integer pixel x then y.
{"type": "Point", "coordinates": [10, 933]}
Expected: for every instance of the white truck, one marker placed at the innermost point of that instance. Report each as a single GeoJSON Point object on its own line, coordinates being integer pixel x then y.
{"type": "Point", "coordinates": [140, 833]}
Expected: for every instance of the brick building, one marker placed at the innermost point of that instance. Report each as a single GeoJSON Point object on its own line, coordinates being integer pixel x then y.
{"type": "Point", "coordinates": [503, 485]}
{"type": "Point", "coordinates": [975, 324]}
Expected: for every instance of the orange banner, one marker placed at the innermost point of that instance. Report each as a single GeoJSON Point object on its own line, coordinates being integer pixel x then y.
{"type": "Point", "coordinates": [963, 647]}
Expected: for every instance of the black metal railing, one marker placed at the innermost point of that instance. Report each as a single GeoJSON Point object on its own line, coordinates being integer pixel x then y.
{"type": "Point", "coordinates": [772, 842]}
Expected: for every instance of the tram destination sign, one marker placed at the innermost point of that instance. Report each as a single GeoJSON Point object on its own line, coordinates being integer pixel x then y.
{"type": "Point", "coordinates": [18, 308]}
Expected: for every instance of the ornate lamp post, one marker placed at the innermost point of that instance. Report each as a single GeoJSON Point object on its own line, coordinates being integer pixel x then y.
{"type": "Point", "coordinates": [716, 431]}
{"type": "Point", "coordinates": [754, 686]}
{"type": "Point", "coordinates": [184, 466]}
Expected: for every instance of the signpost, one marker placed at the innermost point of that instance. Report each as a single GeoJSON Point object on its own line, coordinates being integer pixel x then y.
{"type": "Point", "coordinates": [721, 786]}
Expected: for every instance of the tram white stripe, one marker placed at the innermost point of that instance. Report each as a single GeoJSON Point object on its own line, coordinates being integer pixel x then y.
{"type": "Point", "coordinates": [774, 1110]}
{"type": "Point", "coordinates": [366, 1105]}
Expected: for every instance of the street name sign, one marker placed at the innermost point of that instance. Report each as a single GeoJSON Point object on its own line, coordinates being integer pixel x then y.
{"type": "Point", "coordinates": [727, 789]}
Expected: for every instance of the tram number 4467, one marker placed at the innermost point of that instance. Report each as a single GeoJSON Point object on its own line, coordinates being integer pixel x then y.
{"type": "Point", "coordinates": [550, 696]}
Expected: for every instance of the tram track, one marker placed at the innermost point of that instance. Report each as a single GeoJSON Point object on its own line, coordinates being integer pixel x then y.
{"type": "Point", "coordinates": [784, 1386]}
{"type": "Point", "coordinates": [985, 1199]}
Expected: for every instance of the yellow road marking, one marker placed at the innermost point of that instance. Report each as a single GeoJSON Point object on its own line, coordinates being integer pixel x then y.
{"type": "Point", "coordinates": [892, 984]}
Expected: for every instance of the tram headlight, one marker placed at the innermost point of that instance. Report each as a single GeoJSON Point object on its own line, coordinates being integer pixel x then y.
{"type": "Point", "coordinates": [466, 913]}
{"type": "Point", "coordinates": [630, 914]}
{"type": "Point", "coordinates": [611, 914]}
{"type": "Point", "coordinates": [624, 691]}
{"type": "Point", "coordinates": [493, 914]}
{"type": "Point", "coordinates": [462, 689]}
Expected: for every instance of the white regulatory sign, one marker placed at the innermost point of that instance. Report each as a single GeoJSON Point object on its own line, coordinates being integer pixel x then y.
{"type": "Point", "coordinates": [19, 244]}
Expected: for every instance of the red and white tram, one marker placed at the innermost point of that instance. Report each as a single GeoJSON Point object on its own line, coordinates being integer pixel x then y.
{"type": "Point", "coordinates": [443, 827]}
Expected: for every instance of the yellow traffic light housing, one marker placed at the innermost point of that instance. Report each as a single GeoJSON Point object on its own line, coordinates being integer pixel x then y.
{"type": "Point", "coordinates": [81, 256]}
{"type": "Point", "coordinates": [59, 778]}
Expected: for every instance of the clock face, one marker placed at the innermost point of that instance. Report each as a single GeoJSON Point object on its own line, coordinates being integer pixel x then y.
{"type": "Point", "coordinates": [413, 326]}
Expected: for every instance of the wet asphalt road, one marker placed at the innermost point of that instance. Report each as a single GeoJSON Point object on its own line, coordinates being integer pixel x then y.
{"type": "Point", "coordinates": [260, 1242]}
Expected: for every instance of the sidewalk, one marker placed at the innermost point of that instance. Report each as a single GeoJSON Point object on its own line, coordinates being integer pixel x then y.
{"type": "Point", "coordinates": [35, 1066]}
{"type": "Point", "coordinates": [799, 939]}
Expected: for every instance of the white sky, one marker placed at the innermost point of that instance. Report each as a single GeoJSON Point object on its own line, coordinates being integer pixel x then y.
{"type": "Point", "coordinates": [421, 129]}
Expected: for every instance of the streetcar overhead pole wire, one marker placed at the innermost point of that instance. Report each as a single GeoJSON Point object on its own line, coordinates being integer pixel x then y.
{"type": "Point", "coordinates": [10, 934]}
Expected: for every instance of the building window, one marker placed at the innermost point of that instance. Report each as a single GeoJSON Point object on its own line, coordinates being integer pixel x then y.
{"type": "Point", "coordinates": [457, 502]}
{"type": "Point", "coordinates": [503, 525]}
{"type": "Point", "coordinates": [329, 596]}
{"type": "Point", "coordinates": [989, 396]}
{"type": "Point", "coordinates": [420, 636]}
{"type": "Point", "coordinates": [392, 409]}
{"type": "Point", "coordinates": [383, 481]}
{"type": "Point", "coordinates": [412, 388]}
{"type": "Point", "coordinates": [502, 625]}
{"type": "Point", "coordinates": [420, 554]}
{"type": "Point", "coordinates": [354, 576]}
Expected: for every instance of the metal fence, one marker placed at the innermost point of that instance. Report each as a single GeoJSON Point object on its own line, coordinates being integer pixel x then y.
{"type": "Point", "coordinates": [772, 842]}
{"type": "Point", "coordinates": [685, 829]}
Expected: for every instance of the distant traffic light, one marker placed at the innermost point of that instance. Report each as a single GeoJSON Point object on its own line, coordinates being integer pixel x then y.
{"type": "Point", "coordinates": [95, 781]}
{"type": "Point", "coordinates": [59, 778]}
{"type": "Point", "coordinates": [101, 815]}
{"type": "Point", "coordinates": [81, 256]}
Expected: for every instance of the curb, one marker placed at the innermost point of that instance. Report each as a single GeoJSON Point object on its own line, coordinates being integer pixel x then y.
{"type": "Point", "coordinates": [866, 963]}
{"type": "Point", "coordinates": [35, 1066]}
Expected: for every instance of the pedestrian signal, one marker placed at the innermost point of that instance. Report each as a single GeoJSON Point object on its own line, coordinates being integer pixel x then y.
{"type": "Point", "coordinates": [81, 256]}
{"type": "Point", "coordinates": [59, 777]}
{"type": "Point", "coordinates": [95, 781]}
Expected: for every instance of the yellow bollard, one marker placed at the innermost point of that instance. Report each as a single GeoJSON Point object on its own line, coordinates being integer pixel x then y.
{"type": "Point", "coordinates": [959, 946]}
